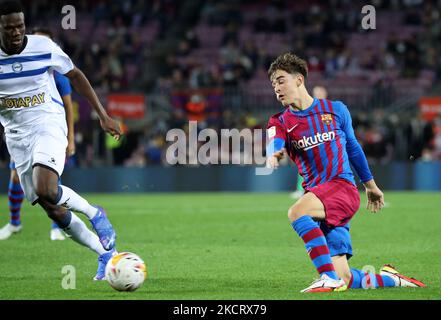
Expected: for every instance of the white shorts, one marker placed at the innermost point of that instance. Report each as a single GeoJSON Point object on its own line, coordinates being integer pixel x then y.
{"type": "Point", "coordinates": [46, 146]}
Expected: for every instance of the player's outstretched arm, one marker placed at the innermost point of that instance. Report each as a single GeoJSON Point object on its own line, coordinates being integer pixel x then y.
{"type": "Point", "coordinates": [67, 101]}
{"type": "Point", "coordinates": [83, 87]}
{"type": "Point", "coordinates": [275, 150]}
{"type": "Point", "coordinates": [272, 161]}
{"type": "Point", "coordinates": [375, 197]}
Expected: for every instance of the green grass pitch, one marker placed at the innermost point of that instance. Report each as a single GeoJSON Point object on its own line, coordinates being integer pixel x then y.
{"type": "Point", "coordinates": [222, 246]}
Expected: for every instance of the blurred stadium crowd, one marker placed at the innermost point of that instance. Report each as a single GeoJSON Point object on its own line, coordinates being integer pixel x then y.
{"type": "Point", "coordinates": [206, 61]}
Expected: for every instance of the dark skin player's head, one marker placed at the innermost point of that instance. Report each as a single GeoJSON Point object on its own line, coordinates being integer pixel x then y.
{"type": "Point", "coordinates": [12, 26]}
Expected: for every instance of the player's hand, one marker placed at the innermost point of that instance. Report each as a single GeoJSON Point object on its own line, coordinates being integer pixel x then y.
{"type": "Point", "coordinates": [111, 126]}
{"type": "Point", "coordinates": [273, 161]}
{"type": "Point", "coordinates": [70, 150]}
{"type": "Point", "coordinates": [375, 197]}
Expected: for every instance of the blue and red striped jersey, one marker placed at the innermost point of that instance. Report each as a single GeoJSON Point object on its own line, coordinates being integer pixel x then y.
{"type": "Point", "coordinates": [321, 141]}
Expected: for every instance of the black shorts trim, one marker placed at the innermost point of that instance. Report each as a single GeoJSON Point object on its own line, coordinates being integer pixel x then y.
{"type": "Point", "coordinates": [47, 167]}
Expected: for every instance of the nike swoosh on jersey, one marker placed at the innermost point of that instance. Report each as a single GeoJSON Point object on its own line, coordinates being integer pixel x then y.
{"type": "Point", "coordinates": [289, 130]}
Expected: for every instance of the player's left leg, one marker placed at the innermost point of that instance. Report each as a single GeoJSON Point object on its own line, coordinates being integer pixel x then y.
{"type": "Point", "coordinates": [73, 201]}
{"type": "Point", "coordinates": [69, 199]}
{"type": "Point", "coordinates": [356, 279]}
{"type": "Point", "coordinates": [339, 242]}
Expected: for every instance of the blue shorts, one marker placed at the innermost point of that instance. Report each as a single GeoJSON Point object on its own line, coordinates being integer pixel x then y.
{"type": "Point", "coordinates": [338, 239]}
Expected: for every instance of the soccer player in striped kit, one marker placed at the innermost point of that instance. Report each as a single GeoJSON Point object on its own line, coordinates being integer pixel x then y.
{"type": "Point", "coordinates": [15, 192]}
{"type": "Point", "coordinates": [36, 130]}
{"type": "Point", "coordinates": [317, 135]}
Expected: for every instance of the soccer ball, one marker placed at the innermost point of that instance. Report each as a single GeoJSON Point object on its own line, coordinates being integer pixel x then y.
{"type": "Point", "coordinates": [126, 271]}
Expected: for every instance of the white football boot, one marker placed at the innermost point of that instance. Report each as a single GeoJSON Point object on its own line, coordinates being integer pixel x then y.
{"type": "Point", "coordinates": [400, 280]}
{"type": "Point", "coordinates": [326, 284]}
{"type": "Point", "coordinates": [8, 230]}
{"type": "Point", "coordinates": [56, 234]}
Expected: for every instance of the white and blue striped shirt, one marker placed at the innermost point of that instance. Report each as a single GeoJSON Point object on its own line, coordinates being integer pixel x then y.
{"type": "Point", "coordinates": [27, 93]}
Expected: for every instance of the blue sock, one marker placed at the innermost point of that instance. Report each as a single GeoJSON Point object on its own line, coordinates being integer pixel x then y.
{"type": "Point", "coordinates": [316, 245]}
{"type": "Point", "coordinates": [54, 225]}
{"type": "Point", "coordinates": [15, 196]}
{"type": "Point", "coordinates": [365, 280]}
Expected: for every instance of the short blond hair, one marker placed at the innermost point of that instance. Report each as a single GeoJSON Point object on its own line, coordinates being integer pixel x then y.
{"type": "Point", "coordinates": [290, 63]}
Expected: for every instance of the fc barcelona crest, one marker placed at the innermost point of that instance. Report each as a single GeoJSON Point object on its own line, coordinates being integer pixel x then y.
{"type": "Point", "coordinates": [327, 119]}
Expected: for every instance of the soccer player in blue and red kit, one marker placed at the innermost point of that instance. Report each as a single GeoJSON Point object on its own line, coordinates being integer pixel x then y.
{"type": "Point", "coordinates": [317, 135]}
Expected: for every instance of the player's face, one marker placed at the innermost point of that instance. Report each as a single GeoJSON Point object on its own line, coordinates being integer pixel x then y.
{"type": "Point", "coordinates": [286, 87]}
{"type": "Point", "coordinates": [12, 31]}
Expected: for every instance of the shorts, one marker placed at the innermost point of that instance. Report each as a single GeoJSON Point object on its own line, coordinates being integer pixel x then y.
{"type": "Point", "coordinates": [340, 199]}
{"type": "Point", "coordinates": [45, 145]}
{"type": "Point", "coordinates": [338, 240]}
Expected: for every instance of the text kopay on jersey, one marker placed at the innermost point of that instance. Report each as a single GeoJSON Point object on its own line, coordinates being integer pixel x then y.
{"type": "Point", "coordinates": [23, 102]}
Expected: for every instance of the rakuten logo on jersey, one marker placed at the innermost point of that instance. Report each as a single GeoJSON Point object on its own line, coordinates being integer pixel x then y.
{"type": "Point", "coordinates": [307, 143]}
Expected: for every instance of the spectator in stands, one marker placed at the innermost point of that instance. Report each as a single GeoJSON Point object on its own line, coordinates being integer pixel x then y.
{"type": "Point", "coordinates": [323, 31]}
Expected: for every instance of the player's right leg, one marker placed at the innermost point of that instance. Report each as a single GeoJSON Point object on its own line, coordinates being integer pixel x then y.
{"type": "Point", "coordinates": [69, 199]}
{"type": "Point", "coordinates": [302, 216]}
{"type": "Point", "coordinates": [15, 196]}
{"type": "Point", "coordinates": [46, 187]}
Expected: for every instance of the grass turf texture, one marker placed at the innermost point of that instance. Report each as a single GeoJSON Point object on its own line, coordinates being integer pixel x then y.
{"type": "Point", "coordinates": [221, 246]}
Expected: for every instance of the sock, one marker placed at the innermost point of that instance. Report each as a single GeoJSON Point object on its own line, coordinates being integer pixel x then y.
{"type": "Point", "coordinates": [73, 201]}
{"type": "Point", "coordinates": [79, 232]}
{"type": "Point", "coordinates": [54, 225]}
{"type": "Point", "coordinates": [15, 195]}
{"type": "Point", "coordinates": [315, 243]}
{"type": "Point", "coordinates": [365, 280]}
